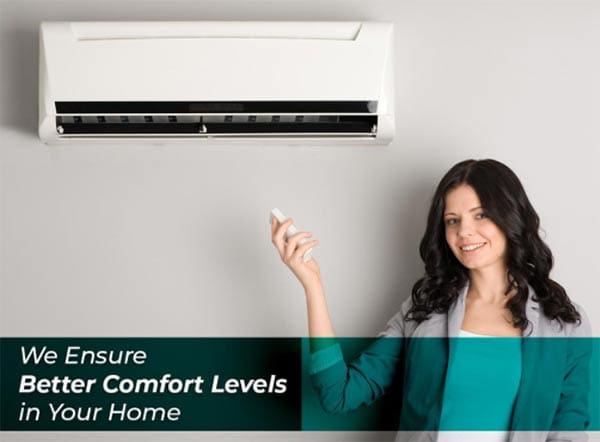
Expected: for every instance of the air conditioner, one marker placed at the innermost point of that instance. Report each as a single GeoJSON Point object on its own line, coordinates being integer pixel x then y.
{"type": "Point", "coordinates": [306, 82]}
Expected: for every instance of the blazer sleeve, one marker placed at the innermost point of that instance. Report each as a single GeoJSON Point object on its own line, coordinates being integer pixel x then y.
{"type": "Point", "coordinates": [572, 415]}
{"type": "Point", "coordinates": [341, 386]}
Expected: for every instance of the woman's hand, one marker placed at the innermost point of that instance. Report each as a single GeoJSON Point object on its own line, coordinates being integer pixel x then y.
{"type": "Point", "coordinates": [291, 253]}
{"type": "Point", "coordinates": [308, 273]}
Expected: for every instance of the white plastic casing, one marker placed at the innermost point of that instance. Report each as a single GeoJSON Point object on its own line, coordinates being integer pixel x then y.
{"type": "Point", "coordinates": [217, 61]}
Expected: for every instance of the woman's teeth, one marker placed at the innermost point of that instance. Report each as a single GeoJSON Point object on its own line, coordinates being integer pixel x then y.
{"type": "Point", "coordinates": [471, 247]}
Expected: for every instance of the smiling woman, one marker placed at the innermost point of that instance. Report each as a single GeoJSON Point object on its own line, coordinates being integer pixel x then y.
{"type": "Point", "coordinates": [482, 231]}
{"type": "Point", "coordinates": [487, 276]}
{"type": "Point", "coordinates": [480, 246]}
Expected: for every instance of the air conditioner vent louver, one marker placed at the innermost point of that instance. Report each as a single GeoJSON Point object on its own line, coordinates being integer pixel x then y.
{"type": "Point", "coordinates": [199, 125]}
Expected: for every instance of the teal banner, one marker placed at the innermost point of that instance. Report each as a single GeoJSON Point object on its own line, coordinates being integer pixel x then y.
{"type": "Point", "coordinates": [295, 384]}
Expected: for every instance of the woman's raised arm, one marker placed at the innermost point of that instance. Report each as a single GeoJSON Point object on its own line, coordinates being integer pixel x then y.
{"type": "Point", "coordinates": [340, 387]}
{"type": "Point", "coordinates": [308, 273]}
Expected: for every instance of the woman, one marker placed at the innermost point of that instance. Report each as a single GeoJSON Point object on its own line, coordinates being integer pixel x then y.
{"type": "Point", "coordinates": [486, 276]}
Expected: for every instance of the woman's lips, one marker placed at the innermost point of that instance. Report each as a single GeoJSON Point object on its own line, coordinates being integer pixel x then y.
{"type": "Point", "coordinates": [472, 247]}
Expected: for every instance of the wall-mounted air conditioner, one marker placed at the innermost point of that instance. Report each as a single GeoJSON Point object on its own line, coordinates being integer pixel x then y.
{"type": "Point", "coordinates": [324, 82]}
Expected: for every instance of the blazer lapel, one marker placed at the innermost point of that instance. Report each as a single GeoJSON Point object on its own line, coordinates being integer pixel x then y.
{"type": "Point", "coordinates": [529, 358]}
{"type": "Point", "coordinates": [455, 317]}
{"type": "Point", "coordinates": [456, 313]}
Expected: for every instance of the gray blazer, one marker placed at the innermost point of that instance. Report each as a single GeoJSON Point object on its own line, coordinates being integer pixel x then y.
{"type": "Point", "coordinates": [448, 325]}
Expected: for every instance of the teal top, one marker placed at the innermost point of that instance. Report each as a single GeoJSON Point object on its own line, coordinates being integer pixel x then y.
{"type": "Point", "coordinates": [482, 381]}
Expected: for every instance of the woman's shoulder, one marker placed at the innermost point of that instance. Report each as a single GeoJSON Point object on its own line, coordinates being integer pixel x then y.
{"type": "Point", "coordinates": [583, 328]}
{"type": "Point", "coordinates": [555, 328]}
{"type": "Point", "coordinates": [399, 326]}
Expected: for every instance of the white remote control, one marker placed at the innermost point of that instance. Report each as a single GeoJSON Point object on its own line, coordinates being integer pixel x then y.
{"type": "Point", "coordinates": [291, 230]}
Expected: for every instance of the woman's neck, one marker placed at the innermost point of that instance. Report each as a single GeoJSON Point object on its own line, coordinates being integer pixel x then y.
{"type": "Point", "coordinates": [489, 284]}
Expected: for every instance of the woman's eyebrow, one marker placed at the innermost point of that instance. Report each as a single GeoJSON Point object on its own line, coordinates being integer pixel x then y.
{"type": "Point", "coordinates": [470, 210]}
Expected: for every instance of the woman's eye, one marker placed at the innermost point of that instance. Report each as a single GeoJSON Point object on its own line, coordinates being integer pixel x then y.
{"type": "Point", "coordinates": [451, 221]}
{"type": "Point", "coordinates": [481, 216]}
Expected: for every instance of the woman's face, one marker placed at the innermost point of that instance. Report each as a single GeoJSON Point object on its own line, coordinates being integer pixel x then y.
{"type": "Point", "coordinates": [474, 239]}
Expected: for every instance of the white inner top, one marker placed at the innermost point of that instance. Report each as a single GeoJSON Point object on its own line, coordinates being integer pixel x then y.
{"type": "Point", "coordinates": [465, 334]}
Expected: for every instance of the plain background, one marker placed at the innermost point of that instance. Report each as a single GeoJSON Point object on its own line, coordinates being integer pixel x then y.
{"type": "Point", "coordinates": [172, 240]}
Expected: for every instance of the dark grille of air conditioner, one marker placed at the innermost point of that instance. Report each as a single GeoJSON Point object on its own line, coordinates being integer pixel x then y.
{"type": "Point", "coordinates": [104, 118]}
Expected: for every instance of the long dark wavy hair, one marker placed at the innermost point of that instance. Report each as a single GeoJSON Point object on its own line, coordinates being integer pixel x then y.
{"type": "Point", "coordinates": [528, 258]}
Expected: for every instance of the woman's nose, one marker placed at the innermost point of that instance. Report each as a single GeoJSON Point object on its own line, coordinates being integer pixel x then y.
{"type": "Point", "coordinates": [466, 229]}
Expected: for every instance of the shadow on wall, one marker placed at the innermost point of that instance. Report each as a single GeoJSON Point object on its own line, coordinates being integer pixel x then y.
{"type": "Point", "coordinates": [19, 73]}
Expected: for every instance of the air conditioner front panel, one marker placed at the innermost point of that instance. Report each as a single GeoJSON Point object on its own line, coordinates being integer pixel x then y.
{"type": "Point", "coordinates": [212, 69]}
{"type": "Point", "coordinates": [258, 79]}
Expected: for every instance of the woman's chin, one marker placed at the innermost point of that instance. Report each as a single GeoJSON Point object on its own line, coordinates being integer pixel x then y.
{"type": "Point", "coordinates": [477, 264]}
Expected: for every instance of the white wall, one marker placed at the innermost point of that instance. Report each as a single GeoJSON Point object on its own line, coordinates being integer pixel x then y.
{"type": "Point", "coordinates": [173, 240]}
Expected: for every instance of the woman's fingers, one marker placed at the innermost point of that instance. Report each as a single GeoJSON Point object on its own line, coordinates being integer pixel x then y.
{"type": "Point", "coordinates": [290, 249]}
{"type": "Point", "coordinates": [278, 233]}
{"type": "Point", "coordinates": [292, 243]}
{"type": "Point", "coordinates": [303, 248]}
{"type": "Point", "coordinates": [273, 226]}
